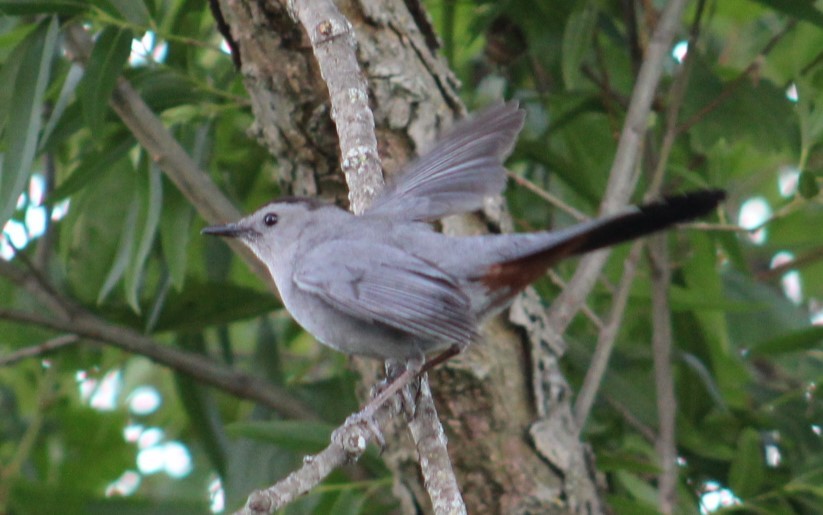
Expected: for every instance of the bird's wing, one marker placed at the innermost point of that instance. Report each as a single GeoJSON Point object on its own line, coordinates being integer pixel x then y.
{"type": "Point", "coordinates": [384, 284]}
{"type": "Point", "coordinates": [457, 173]}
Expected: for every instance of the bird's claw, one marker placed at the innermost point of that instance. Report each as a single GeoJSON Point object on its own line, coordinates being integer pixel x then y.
{"type": "Point", "coordinates": [350, 434]}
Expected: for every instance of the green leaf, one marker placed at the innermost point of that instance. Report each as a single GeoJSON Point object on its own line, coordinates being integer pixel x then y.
{"type": "Point", "coordinates": [300, 436]}
{"type": "Point", "coordinates": [133, 11]}
{"type": "Point", "coordinates": [163, 89]}
{"type": "Point", "coordinates": [202, 305]}
{"type": "Point", "coordinates": [151, 196]}
{"type": "Point", "coordinates": [175, 233]}
{"type": "Point", "coordinates": [349, 502]}
{"type": "Point", "coordinates": [747, 472]}
{"type": "Point", "coordinates": [205, 419]}
{"type": "Point", "coordinates": [105, 64]}
{"type": "Point", "coordinates": [757, 112]}
{"type": "Point", "coordinates": [19, 41]}
{"type": "Point", "coordinates": [637, 487]}
{"type": "Point", "coordinates": [800, 9]}
{"type": "Point", "coordinates": [577, 41]}
{"type": "Point", "coordinates": [25, 112]}
{"type": "Point", "coordinates": [807, 185]}
{"type": "Point", "coordinates": [622, 505]}
{"type": "Point", "coordinates": [95, 163]}
{"type": "Point", "coordinates": [800, 340]}
{"type": "Point", "coordinates": [91, 232]}
{"type": "Point", "coordinates": [124, 251]}
{"type": "Point", "coordinates": [73, 77]}
{"type": "Point", "coordinates": [701, 275]}
{"type": "Point", "coordinates": [26, 7]}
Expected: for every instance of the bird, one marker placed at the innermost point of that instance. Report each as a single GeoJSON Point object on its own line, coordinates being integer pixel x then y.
{"type": "Point", "coordinates": [385, 284]}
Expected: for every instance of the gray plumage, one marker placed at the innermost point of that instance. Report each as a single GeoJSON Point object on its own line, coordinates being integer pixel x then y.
{"type": "Point", "coordinates": [385, 284]}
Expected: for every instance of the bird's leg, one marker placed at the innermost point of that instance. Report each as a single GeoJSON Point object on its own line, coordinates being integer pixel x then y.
{"type": "Point", "coordinates": [398, 377]}
{"type": "Point", "coordinates": [447, 354]}
{"type": "Point", "coordinates": [366, 415]}
{"type": "Point", "coordinates": [408, 393]}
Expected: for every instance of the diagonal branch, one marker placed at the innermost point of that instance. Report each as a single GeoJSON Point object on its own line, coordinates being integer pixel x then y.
{"type": "Point", "coordinates": [38, 350]}
{"type": "Point", "coordinates": [347, 445]}
{"type": "Point", "coordinates": [76, 320]}
{"type": "Point", "coordinates": [179, 167]}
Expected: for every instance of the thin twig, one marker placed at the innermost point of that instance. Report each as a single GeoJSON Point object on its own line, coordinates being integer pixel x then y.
{"type": "Point", "coordinates": [548, 197]}
{"type": "Point", "coordinates": [810, 258]}
{"type": "Point", "coordinates": [23, 448]}
{"type": "Point", "coordinates": [587, 311]}
{"type": "Point", "coordinates": [630, 418]}
{"type": "Point", "coordinates": [347, 445]}
{"type": "Point", "coordinates": [709, 226]}
{"type": "Point", "coordinates": [663, 375]}
{"type": "Point", "coordinates": [606, 339]}
{"type": "Point", "coordinates": [36, 351]}
{"type": "Point", "coordinates": [197, 366]}
{"type": "Point", "coordinates": [74, 319]}
{"type": "Point", "coordinates": [659, 263]}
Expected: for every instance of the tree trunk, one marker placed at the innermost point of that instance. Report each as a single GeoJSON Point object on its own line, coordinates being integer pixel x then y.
{"type": "Point", "coordinates": [504, 403]}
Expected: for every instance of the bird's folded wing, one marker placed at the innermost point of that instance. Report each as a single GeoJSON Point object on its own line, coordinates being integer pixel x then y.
{"type": "Point", "coordinates": [386, 285]}
{"type": "Point", "coordinates": [457, 173]}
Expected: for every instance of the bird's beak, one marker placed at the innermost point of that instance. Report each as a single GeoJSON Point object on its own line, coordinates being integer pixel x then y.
{"type": "Point", "coordinates": [227, 231]}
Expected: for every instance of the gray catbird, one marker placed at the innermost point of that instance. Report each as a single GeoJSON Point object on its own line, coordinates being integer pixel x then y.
{"type": "Point", "coordinates": [386, 284]}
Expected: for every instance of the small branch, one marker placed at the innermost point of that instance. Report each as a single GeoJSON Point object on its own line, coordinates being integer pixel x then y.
{"type": "Point", "coordinates": [677, 95]}
{"type": "Point", "coordinates": [606, 339]}
{"type": "Point", "coordinates": [197, 366]}
{"type": "Point", "coordinates": [348, 443]}
{"type": "Point", "coordinates": [809, 258]}
{"type": "Point", "coordinates": [36, 351]}
{"type": "Point", "coordinates": [659, 262]}
{"type": "Point", "coordinates": [663, 374]}
{"type": "Point", "coordinates": [71, 318]}
{"type": "Point", "coordinates": [644, 430]}
{"type": "Point", "coordinates": [587, 311]}
{"type": "Point", "coordinates": [548, 197]}
{"type": "Point", "coordinates": [709, 226]}
{"type": "Point", "coordinates": [334, 44]}
{"type": "Point", "coordinates": [45, 244]}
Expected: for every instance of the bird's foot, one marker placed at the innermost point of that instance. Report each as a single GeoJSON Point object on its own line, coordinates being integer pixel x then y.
{"type": "Point", "coordinates": [350, 435]}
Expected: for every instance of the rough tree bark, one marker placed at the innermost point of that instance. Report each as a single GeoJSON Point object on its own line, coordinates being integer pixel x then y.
{"type": "Point", "coordinates": [486, 398]}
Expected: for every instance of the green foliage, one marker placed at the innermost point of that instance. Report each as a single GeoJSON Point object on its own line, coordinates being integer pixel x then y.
{"type": "Point", "coordinates": [107, 59]}
{"type": "Point", "coordinates": [26, 73]}
{"type": "Point", "coordinates": [747, 359]}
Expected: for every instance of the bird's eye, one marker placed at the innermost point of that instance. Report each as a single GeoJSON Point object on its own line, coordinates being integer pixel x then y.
{"type": "Point", "coordinates": [270, 219]}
